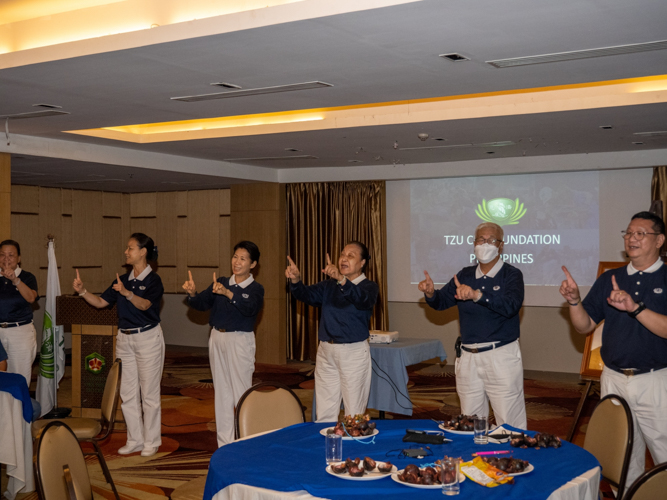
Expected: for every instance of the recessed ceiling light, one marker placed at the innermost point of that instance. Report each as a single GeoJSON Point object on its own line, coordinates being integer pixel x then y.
{"type": "Point", "coordinates": [248, 92]}
{"type": "Point", "coordinates": [226, 85]}
{"type": "Point", "coordinates": [454, 57]}
{"type": "Point", "coordinates": [651, 134]}
{"type": "Point", "coordinates": [606, 127]}
{"type": "Point", "coordinates": [638, 143]}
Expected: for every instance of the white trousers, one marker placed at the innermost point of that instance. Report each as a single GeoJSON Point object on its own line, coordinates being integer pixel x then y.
{"type": "Point", "coordinates": [20, 342]}
{"type": "Point", "coordinates": [143, 360]}
{"type": "Point", "coordinates": [646, 394]}
{"type": "Point", "coordinates": [232, 357]}
{"type": "Point", "coordinates": [342, 371]}
{"type": "Point", "coordinates": [495, 375]}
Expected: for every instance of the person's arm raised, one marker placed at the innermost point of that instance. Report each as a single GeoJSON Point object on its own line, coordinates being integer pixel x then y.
{"type": "Point", "coordinates": [581, 320]}
{"type": "Point", "coordinates": [89, 297]}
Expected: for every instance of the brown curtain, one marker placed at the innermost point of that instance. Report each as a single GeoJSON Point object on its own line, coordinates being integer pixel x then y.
{"type": "Point", "coordinates": [321, 218]}
{"type": "Point", "coordinates": [659, 188]}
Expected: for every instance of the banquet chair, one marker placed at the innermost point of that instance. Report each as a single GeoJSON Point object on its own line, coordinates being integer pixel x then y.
{"type": "Point", "coordinates": [260, 411]}
{"type": "Point", "coordinates": [650, 485]}
{"type": "Point", "coordinates": [60, 467]}
{"type": "Point", "coordinates": [90, 430]}
{"type": "Point", "coordinates": [609, 439]}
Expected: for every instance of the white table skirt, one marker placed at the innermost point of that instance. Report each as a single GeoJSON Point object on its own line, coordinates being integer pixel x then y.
{"type": "Point", "coordinates": [583, 487]}
{"type": "Point", "coordinates": [15, 446]}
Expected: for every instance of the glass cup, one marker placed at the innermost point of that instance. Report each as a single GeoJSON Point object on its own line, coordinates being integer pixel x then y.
{"type": "Point", "coordinates": [481, 430]}
{"type": "Point", "coordinates": [450, 476]}
{"type": "Point", "coordinates": [334, 448]}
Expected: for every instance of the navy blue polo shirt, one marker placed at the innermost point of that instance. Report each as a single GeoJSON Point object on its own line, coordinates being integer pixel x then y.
{"type": "Point", "coordinates": [236, 315]}
{"type": "Point", "coordinates": [3, 353]}
{"type": "Point", "coordinates": [495, 317]}
{"type": "Point", "coordinates": [346, 309]}
{"type": "Point", "coordinates": [147, 285]}
{"type": "Point", "coordinates": [13, 307]}
{"type": "Point", "coordinates": [626, 343]}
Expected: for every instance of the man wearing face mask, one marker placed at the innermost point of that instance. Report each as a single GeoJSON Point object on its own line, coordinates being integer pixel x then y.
{"type": "Point", "coordinates": [489, 297]}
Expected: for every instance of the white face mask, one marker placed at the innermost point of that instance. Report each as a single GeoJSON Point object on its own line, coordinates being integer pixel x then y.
{"type": "Point", "coordinates": [486, 252]}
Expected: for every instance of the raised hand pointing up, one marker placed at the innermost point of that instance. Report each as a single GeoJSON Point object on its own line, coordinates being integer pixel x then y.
{"type": "Point", "coordinates": [569, 289]}
{"type": "Point", "coordinates": [427, 286]}
{"type": "Point", "coordinates": [292, 272]}
{"type": "Point", "coordinates": [620, 299]}
{"type": "Point", "coordinates": [189, 286]}
{"type": "Point", "coordinates": [78, 284]}
{"type": "Point", "coordinates": [464, 292]}
{"type": "Point", "coordinates": [331, 270]}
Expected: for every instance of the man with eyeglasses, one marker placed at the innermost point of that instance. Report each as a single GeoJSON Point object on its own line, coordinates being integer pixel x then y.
{"type": "Point", "coordinates": [489, 297]}
{"type": "Point", "coordinates": [632, 301]}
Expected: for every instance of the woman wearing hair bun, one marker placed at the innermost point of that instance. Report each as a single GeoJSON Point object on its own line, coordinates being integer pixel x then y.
{"type": "Point", "coordinates": [140, 344]}
{"type": "Point", "coordinates": [343, 365]}
{"type": "Point", "coordinates": [235, 303]}
{"type": "Point", "coordinates": [18, 289]}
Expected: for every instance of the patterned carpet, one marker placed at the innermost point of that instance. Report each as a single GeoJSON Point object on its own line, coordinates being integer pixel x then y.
{"type": "Point", "coordinates": [188, 429]}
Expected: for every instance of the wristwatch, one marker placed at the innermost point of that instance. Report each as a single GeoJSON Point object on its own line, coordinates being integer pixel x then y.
{"type": "Point", "coordinates": [634, 313]}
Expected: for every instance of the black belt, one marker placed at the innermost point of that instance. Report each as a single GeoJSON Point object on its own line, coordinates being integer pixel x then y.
{"type": "Point", "coordinates": [132, 331]}
{"type": "Point", "coordinates": [629, 372]}
{"type": "Point", "coordinates": [14, 324]}
{"type": "Point", "coordinates": [475, 350]}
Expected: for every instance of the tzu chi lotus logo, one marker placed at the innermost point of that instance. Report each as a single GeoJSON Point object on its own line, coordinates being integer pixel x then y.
{"type": "Point", "coordinates": [502, 211]}
{"type": "Point", "coordinates": [94, 363]}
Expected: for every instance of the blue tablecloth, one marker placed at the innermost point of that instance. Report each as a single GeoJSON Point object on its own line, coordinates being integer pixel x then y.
{"type": "Point", "coordinates": [292, 459]}
{"type": "Point", "coordinates": [15, 384]}
{"type": "Point", "coordinates": [389, 390]}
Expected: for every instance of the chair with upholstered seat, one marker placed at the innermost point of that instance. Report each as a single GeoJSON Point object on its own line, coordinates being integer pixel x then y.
{"type": "Point", "coordinates": [650, 485]}
{"type": "Point", "coordinates": [91, 430]}
{"type": "Point", "coordinates": [259, 410]}
{"type": "Point", "coordinates": [60, 467]}
{"type": "Point", "coordinates": [609, 439]}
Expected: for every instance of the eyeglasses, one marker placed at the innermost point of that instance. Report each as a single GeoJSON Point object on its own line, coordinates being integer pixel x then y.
{"type": "Point", "coordinates": [490, 241]}
{"type": "Point", "coordinates": [639, 235]}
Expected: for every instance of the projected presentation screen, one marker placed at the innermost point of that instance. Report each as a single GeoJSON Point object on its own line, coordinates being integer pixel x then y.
{"type": "Point", "coordinates": [548, 219]}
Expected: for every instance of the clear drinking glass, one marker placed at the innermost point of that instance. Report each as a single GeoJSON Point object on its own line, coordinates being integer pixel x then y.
{"type": "Point", "coordinates": [450, 476]}
{"type": "Point", "coordinates": [334, 448]}
{"type": "Point", "coordinates": [481, 430]}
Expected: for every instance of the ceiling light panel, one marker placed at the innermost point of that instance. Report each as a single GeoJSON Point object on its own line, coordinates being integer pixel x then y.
{"type": "Point", "coordinates": [249, 92]}
{"type": "Point", "coordinates": [579, 54]}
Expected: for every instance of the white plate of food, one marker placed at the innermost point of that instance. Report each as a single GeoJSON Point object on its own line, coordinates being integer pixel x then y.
{"type": "Point", "coordinates": [324, 432]}
{"type": "Point", "coordinates": [371, 475]}
{"type": "Point", "coordinates": [394, 477]}
{"type": "Point", "coordinates": [455, 431]}
{"type": "Point", "coordinates": [528, 469]}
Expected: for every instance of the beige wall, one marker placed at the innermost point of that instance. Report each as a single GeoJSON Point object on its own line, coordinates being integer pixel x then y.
{"type": "Point", "coordinates": [548, 341]}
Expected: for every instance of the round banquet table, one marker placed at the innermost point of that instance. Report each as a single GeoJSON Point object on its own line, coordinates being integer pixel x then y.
{"type": "Point", "coordinates": [15, 435]}
{"type": "Point", "coordinates": [289, 464]}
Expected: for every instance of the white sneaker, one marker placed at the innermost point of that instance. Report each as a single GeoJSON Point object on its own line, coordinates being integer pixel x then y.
{"type": "Point", "coordinates": [148, 451]}
{"type": "Point", "coordinates": [128, 449]}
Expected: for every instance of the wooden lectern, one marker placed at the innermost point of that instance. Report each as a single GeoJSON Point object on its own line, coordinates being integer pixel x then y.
{"type": "Point", "coordinates": [93, 351]}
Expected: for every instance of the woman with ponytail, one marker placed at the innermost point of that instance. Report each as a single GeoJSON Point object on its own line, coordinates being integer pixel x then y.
{"type": "Point", "coordinates": [140, 344]}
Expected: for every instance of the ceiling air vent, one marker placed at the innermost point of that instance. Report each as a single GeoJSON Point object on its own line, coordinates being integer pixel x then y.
{"type": "Point", "coordinates": [34, 114]}
{"type": "Point", "coordinates": [226, 85]}
{"type": "Point", "coordinates": [271, 158]}
{"type": "Point", "coordinates": [499, 144]}
{"type": "Point", "coordinates": [579, 54]}
{"type": "Point", "coordinates": [651, 134]}
{"type": "Point", "coordinates": [248, 92]}
{"type": "Point", "coordinates": [455, 57]}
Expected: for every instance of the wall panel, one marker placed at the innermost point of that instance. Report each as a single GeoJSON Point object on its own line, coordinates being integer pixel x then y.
{"type": "Point", "coordinates": [143, 204]}
{"type": "Point", "coordinates": [112, 205]}
{"type": "Point", "coordinates": [165, 235]}
{"type": "Point", "coordinates": [25, 199]}
{"type": "Point", "coordinates": [25, 230]}
{"type": "Point", "coordinates": [146, 225]}
{"type": "Point", "coordinates": [203, 228]}
{"type": "Point", "coordinates": [114, 247]}
{"type": "Point", "coordinates": [225, 245]}
{"type": "Point", "coordinates": [50, 221]}
{"type": "Point", "coordinates": [5, 196]}
{"type": "Point", "coordinates": [87, 229]}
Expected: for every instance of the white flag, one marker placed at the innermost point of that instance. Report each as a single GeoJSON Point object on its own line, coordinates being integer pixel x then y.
{"type": "Point", "coordinates": [52, 353]}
